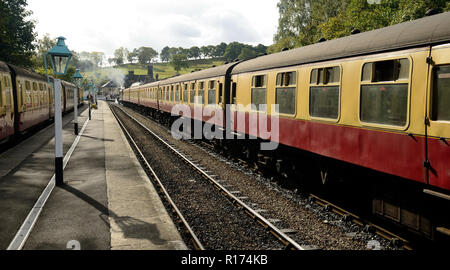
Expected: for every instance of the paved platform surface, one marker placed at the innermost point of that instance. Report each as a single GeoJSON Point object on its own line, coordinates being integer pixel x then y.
{"type": "Point", "coordinates": [107, 202]}
{"type": "Point", "coordinates": [25, 171]}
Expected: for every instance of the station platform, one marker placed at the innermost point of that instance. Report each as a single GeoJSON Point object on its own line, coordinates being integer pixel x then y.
{"type": "Point", "coordinates": [107, 201]}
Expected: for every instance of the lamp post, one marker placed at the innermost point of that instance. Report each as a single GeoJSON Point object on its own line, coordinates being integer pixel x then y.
{"type": "Point", "coordinates": [60, 58]}
{"type": "Point", "coordinates": [77, 78]}
{"type": "Point", "coordinates": [95, 92]}
{"type": "Point", "coordinates": [89, 98]}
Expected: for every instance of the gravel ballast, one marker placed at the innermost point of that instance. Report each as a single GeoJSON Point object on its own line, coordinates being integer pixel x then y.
{"type": "Point", "coordinates": [218, 224]}
{"type": "Point", "coordinates": [313, 225]}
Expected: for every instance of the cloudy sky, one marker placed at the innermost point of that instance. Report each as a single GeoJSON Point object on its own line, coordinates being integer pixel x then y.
{"type": "Point", "coordinates": [105, 25]}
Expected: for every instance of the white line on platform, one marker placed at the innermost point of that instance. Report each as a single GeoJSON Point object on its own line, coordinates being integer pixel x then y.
{"type": "Point", "coordinates": [22, 235]}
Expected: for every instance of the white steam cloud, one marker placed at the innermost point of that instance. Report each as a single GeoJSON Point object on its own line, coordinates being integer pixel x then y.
{"type": "Point", "coordinates": [116, 76]}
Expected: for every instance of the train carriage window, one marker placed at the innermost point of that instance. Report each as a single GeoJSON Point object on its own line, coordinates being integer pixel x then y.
{"type": "Point", "coordinates": [212, 92]}
{"type": "Point", "coordinates": [233, 93]}
{"type": "Point", "coordinates": [441, 94]}
{"type": "Point", "coordinates": [324, 101]}
{"type": "Point", "coordinates": [384, 104]}
{"type": "Point", "coordinates": [1, 94]}
{"type": "Point", "coordinates": [259, 92]}
{"type": "Point", "coordinates": [185, 93]}
{"type": "Point", "coordinates": [324, 92]}
{"type": "Point", "coordinates": [20, 94]}
{"type": "Point", "coordinates": [35, 95]}
{"type": "Point", "coordinates": [7, 100]}
{"type": "Point", "coordinates": [313, 76]}
{"type": "Point", "coordinates": [332, 75]}
{"type": "Point", "coordinates": [201, 93]}
{"type": "Point", "coordinates": [192, 93]}
{"type": "Point", "coordinates": [286, 92]}
{"type": "Point", "coordinates": [384, 92]}
{"type": "Point", "coordinates": [27, 93]}
{"type": "Point", "coordinates": [172, 93]}
{"type": "Point", "coordinates": [385, 71]}
{"type": "Point", "coordinates": [367, 72]}
{"type": "Point", "coordinates": [175, 94]}
{"type": "Point", "coordinates": [44, 89]}
{"type": "Point", "coordinates": [221, 93]}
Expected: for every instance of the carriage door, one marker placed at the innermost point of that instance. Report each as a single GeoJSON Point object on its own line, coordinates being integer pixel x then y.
{"type": "Point", "coordinates": [439, 118]}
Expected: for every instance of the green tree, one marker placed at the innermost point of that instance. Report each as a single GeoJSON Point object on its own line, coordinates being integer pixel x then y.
{"type": "Point", "coordinates": [261, 49]}
{"type": "Point", "coordinates": [146, 55]}
{"type": "Point", "coordinates": [415, 9]}
{"type": "Point", "coordinates": [233, 50]}
{"type": "Point", "coordinates": [111, 61]}
{"type": "Point", "coordinates": [119, 55]}
{"type": "Point", "coordinates": [165, 55]}
{"type": "Point", "coordinates": [132, 56]}
{"type": "Point", "coordinates": [97, 58]}
{"type": "Point", "coordinates": [179, 61]}
{"type": "Point", "coordinates": [304, 22]}
{"type": "Point", "coordinates": [219, 51]}
{"type": "Point", "coordinates": [43, 45]}
{"type": "Point", "coordinates": [16, 33]}
{"type": "Point", "coordinates": [194, 52]}
{"type": "Point", "coordinates": [204, 51]}
{"type": "Point", "coordinates": [211, 50]}
{"type": "Point", "coordinates": [299, 21]}
{"type": "Point", "coordinates": [174, 51]}
{"type": "Point", "coordinates": [182, 51]}
{"type": "Point", "coordinates": [247, 53]}
{"type": "Point", "coordinates": [366, 16]}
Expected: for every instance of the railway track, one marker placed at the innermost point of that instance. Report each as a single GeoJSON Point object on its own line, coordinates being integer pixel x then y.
{"type": "Point", "coordinates": [266, 232]}
{"type": "Point", "coordinates": [395, 240]}
{"type": "Point", "coordinates": [347, 215]}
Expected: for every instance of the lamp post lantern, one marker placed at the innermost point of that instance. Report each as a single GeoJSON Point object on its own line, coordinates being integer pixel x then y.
{"type": "Point", "coordinates": [77, 78]}
{"type": "Point", "coordinates": [60, 58]}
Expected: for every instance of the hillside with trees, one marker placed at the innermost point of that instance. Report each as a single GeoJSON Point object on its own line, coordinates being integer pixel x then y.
{"type": "Point", "coordinates": [304, 22]}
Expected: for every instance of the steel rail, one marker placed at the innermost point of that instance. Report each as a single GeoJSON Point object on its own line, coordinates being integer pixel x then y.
{"type": "Point", "coordinates": [285, 239]}
{"type": "Point", "coordinates": [348, 216]}
{"type": "Point", "coordinates": [195, 241]}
